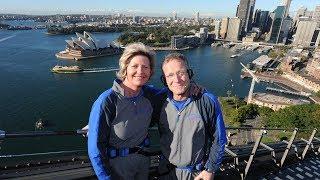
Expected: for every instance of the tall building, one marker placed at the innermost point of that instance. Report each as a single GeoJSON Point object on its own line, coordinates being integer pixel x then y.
{"type": "Point", "coordinates": [287, 23]}
{"type": "Point", "coordinates": [224, 27]}
{"type": "Point", "coordinates": [305, 34]}
{"type": "Point", "coordinates": [286, 4]}
{"type": "Point", "coordinates": [263, 21]}
{"type": "Point", "coordinates": [135, 19]}
{"type": "Point", "coordinates": [302, 12]}
{"type": "Point", "coordinates": [250, 15]}
{"type": "Point", "coordinates": [256, 19]}
{"type": "Point", "coordinates": [197, 17]}
{"type": "Point", "coordinates": [316, 15]}
{"type": "Point", "coordinates": [234, 28]}
{"type": "Point", "coordinates": [276, 18]}
{"type": "Point", "coordinates": [175, 16]}
{"type": "Point", "coordinates": [217, 27]}
{"type": "Point", "coordinates": [245, 12]}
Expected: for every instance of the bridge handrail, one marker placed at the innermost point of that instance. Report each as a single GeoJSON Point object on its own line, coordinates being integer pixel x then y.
{"type": "Point", "coordinates": [4, 134]}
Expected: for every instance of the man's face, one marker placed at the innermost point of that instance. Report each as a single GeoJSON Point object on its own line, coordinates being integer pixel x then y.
{"type": "Point", "coordinates": [176, 75]}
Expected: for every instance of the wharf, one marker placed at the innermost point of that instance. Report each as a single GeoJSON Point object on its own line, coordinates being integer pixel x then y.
{"type": "Point", "coordinates": [274, 78]}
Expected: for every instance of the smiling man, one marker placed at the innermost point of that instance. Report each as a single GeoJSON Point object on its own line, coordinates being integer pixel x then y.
{"type": "Point", "coordinates": [192, 131]}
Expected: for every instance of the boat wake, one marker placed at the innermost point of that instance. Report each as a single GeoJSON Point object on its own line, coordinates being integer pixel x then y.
{"type": "Point", "coordinates": [90, 70]}
{"type": "Point", "coordinates": [96, 70]}
{"type": "Point", "coordinates": [6, 38]}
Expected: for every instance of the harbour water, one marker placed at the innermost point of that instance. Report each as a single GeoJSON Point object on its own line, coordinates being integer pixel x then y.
{"type": "Point", "coordinates": [29, 91]}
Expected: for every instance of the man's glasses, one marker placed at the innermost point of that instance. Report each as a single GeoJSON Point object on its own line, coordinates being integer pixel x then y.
{"type": "Point", "coordinates": [180, 74]}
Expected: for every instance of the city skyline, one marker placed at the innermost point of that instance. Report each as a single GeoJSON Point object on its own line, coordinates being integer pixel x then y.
{"type": "Point", "coordinates": [206, 8]}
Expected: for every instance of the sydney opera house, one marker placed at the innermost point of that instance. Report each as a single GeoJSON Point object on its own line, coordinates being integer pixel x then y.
{"type": "Point", "coordinates": [86, 46]}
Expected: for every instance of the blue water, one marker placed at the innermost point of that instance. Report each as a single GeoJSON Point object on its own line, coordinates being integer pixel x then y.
{"type": "Point", "coordinates": [29, 91]}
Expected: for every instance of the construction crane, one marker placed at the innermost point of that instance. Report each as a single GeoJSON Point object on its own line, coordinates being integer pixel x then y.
{"type": "Point", "coordinates": [253, 82]}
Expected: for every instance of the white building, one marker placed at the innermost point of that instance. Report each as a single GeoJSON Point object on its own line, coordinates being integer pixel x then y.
{"type": "Point", "coordinates": [217, 27]}
{"type": "Point", "coordinates": [316, 15]}
{"type": "Point", "coordinates": [224, 27]}
{"type": "Point", "coordinates": [305, 31]}
{"type": "Point", "coordinates": [234, 27]}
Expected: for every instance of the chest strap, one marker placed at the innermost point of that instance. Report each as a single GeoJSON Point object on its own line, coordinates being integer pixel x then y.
{"type": "Point", "coordinates": [193, 168]}
{"type": "Point", "coordinates": [123, 152]}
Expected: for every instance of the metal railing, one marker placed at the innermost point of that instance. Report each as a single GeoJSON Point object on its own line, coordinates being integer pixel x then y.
{"type": "Point", "coordinates": [292, 143]}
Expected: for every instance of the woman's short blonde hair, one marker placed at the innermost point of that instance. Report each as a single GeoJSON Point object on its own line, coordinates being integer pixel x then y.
{"type": "Point", "coordinates": [129, 52]}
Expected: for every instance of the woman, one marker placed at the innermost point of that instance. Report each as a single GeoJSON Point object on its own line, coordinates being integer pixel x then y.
{"type": "Point", "coordinates": [120, 118]}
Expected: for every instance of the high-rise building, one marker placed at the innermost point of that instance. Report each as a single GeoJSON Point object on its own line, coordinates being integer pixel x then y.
{"type": "Point", "coordinates": [276, 18]}
{"type": "Point", "coordinates": [287, 23]}
{"type": "Point", "coordinates": [316, 15]}
{"type": "Point", "coordinates": [245, 12]}
{"type": "Point", "coordinates": [175, 16]}
{"type": "Point", "coordinates": [250, 15]}
{"type": "Point", "coordinates": [135, 19]}
{"type": "Point", "coordinates": [217, 27]}
{"type": "Point", "coordinates": [234, 27]}
{"type": "Point", "coordinates": [302, 12]}
{"type": "Point", "coordinates": [263, 21]}
{"type": "Point", "coordinates": [197, 17]}
{"type": "Point", "coordinates": [286, 4]}
{"type": "Point", "coordinates": [305, 34]}
{"type": "Point", "coordinates": [256, 19]}
{"type": "Point", "coordinates": [224, 27]}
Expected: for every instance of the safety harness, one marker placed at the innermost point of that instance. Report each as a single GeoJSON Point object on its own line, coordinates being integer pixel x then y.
{"type": "Point", "coordinates": [113, 152]}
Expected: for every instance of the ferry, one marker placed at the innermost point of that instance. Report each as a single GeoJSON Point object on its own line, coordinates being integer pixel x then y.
{"type": "Point", "coordinates": [66, 69]}
{"type": "Point", "coordinates": [235, 55]}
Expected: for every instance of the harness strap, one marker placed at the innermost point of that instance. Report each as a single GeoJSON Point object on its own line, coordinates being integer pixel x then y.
{"type": "Point", "coordinates": [193, 168]}
{"type": "Point", "coordinates": [123, 152]}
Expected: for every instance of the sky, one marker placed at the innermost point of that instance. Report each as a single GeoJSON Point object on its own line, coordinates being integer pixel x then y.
{"type": "Point", "coordinates": [183, 8]}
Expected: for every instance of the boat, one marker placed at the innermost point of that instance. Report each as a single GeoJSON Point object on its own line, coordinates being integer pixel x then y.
{"type": "Point", "coordinates": [66, 69]}
{"type": "Point", "coordinates": [86, 46]}
{"type": "Point", "coordinates": [216, 44]}
{"type": "Point", "coordinates": [235, 55]}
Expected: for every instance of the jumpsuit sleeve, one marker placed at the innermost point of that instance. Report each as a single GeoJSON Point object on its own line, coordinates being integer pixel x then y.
{"type": "Point", "coordinates": [218, 135]}
{"type": "Point", "coordinates": [99, 131]}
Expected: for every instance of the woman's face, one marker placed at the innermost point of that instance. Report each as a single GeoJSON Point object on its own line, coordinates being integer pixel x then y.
{"type": "Point", "coordinates": [138, 71]}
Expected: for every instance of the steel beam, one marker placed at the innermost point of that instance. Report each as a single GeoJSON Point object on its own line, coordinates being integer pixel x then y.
{"type": "Point", "coordinates": [234, 155]}
{"type": "Point", "coordinates": [284, 156]}
{"type": "Point", "coordinates": [273, 153]}
{"type": "Point", "coordinates": [308, 144]}
{"type": "Point", "coordinates": [253, 152]}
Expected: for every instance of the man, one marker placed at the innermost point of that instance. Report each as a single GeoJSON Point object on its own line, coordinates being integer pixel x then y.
{"type": "Point", "coordinates": [192, 131]}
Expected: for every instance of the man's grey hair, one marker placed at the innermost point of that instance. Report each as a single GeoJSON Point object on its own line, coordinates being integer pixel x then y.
{"type": "Point", "coordinates": [131, 51]}
{"type": "Point", "coordinates": [175, 56]}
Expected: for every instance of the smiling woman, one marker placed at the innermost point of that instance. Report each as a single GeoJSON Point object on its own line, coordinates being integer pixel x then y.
{"type": "Point", "coordinates": [120, 118]}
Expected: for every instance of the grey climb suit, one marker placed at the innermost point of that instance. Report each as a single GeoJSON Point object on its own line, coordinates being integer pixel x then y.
{"type": "Point", "coordinates": [188, 134]}
{"type": "Point", "coordinates": [119, 122]}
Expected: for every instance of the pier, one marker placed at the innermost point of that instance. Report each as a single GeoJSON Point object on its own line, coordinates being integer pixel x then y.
{"type": "Point", "coordinates": [288, 92]}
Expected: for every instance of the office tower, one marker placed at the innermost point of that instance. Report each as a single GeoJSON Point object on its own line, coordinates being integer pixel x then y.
{"type": "Point", "coordinates": [256, 20]}
{"type": "Point", "coordinates": [275, 19]}
{"type": "Point", "coordinates": [234, 28]}
{"type": "Point", "coordinates": [175, 16]}
{"type": "Point", "coordinates": [263, 21]}
{"type": "Point", "coordinates": [285, 28]}
{"type": "Point", "coordinates": [250, 15]}
{"type": "Point", "coordinates": [197, 18]}
{"type": "Point", "coordinates": [287, 4]}
{"type": "Point", "coordinates": [316, 15]}
{"type": "Point", "coordinates": [224, 27]}
{"type": "Point", "coordinates": [305, 32]}
{"type": "Point", "coordinates": [301, 12]}
{"type": "Point", "coordinates": [245, 13]}
{"type": "Point", "coordinates": [217, 27]}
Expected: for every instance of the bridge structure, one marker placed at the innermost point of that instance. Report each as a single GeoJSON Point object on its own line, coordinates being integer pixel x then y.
{"type": "Point", "coordinates": [290, 158]}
